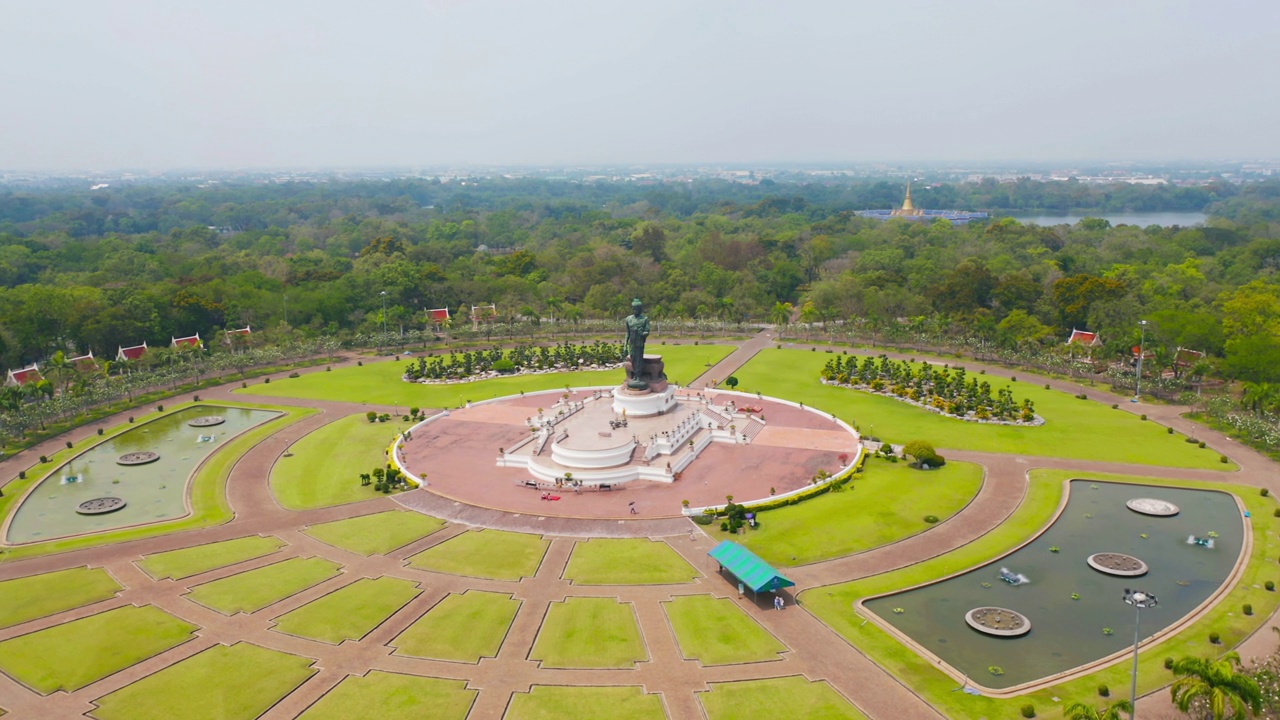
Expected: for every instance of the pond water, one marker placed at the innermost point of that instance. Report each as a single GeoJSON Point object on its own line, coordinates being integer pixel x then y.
{"type": "Point", "coordinates": [152, 492]}
{"type": "Point", "coordinates": [1141, 219]}
{"type": "Point", "coordinates": [1067, 633]}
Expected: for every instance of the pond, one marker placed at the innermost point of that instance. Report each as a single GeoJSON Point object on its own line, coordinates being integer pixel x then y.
{"type": "Point", "coordinates": [1065, 632]}
{"type": "Point", "coordinates": [152, 490]}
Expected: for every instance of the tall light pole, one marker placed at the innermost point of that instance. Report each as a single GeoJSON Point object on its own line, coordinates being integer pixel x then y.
{"type": "Point", "coordinates": [1142, 350]}
{"type": "Point", "coordinates": [384, 315]}
{"type": "Point", "coordinates": [1139, 600]}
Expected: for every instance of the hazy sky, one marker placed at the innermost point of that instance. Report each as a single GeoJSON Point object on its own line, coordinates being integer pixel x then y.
{"type": "Point", "coordinates": [220, 83]}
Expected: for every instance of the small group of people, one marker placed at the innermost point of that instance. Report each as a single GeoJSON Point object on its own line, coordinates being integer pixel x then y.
{"type": "Point", "coordinates": [778, 602]}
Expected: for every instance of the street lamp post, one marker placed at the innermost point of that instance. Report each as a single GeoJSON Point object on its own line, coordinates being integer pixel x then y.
{"type": "Point", "coordinates": [1139, 600]}
{"type": "Point", "coordinates": [1142, 350]}
{"type": "Point", "coordinates": [384, 315]}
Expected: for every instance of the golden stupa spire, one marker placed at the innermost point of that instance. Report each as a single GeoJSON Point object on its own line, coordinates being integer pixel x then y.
{"type": "Point", "coordinates": [907, 204]}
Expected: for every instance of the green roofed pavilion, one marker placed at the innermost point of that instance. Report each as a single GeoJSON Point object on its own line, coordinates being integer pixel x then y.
{"type": "Point", "coordinates": [749, 568]}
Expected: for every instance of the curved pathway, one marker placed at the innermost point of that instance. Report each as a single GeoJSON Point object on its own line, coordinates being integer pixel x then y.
{"type": "Point", "coordinates": [814, 650]}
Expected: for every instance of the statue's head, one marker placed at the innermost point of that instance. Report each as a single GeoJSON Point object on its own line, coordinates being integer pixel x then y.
{"type": "Point", "coordinates": [636, 306]}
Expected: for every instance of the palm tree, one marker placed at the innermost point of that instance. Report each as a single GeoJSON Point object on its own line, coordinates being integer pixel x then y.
{"type": "Point", "coordinates": [1114, 711]}
{"type": "Point", "coordinates": [1214, 688]}
{"type": "Point", "coordinates": [61, 369]}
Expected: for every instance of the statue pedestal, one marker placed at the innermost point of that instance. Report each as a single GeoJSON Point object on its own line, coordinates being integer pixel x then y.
{"type": "Point", "coordinates": [643, 403]}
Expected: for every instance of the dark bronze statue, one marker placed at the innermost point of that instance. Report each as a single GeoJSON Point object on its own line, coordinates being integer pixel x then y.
{"type": "Point", "coordinates": [637, 332]}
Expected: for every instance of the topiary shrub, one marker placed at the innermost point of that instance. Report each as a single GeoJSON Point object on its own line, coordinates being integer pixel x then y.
{"type": "Point", "coordinates": [68, 444]}
{"type": "Point", "coordinates": [130, 418]}
{"type": "Point", "coordinates": [1046, 386]}
{"type": "Point", "coordinates": [1104, 691]}
{"type": "Point", "coordinates": [504, 366]}
{"type": "Point", "coordinates": [931, 519]}
{"type": "Point", "coordinates": [1214, 638]}
{"type": "Point", "coordinates": [372, 416]}
{"type": "Point", "coordinates": [328, 368]}
{"type": "Point", "coordinates": [1248, 609]}
{"type": "Point", "coordinates": [1270, 586]}
{"type": "Point", "coordinates": [22, 474]}
{"type": "Point", "coordinates": [1168, 663]}
{"type": "Point", "coordinates": [1028, 710]}
{"type": "Point", "coordinates": [43, 459]}
{"type": "Point", "coordinates": [1169, 430]}
{"type": "Point", "coordinates": [1202, 444]}
{"type": "Point", "coordinates": [195, 398]}
{"type": "Point", "coordinates": [1115, 406]}
{"type": "Point", "coordinates": [244, 384]}
{"type": "Point", "coordinates": [1014, 378]}
{"type": "Point", "coordinates": [360, 363]}
{"type": "Point", "coordinates": [1142, 417]}
{"type": "Point", "coordinates": [1264, 492]}
{"type": "Point", "coordinates": [924, 454]}
{"type": "Point", "coordinates": [99, 431]}
{"type": "Point", "coordinates": [294, 374]}
{"type": "Point", "coordinates": [159, 408]}
{"type": "Point", "coordinates": [1223, 459]}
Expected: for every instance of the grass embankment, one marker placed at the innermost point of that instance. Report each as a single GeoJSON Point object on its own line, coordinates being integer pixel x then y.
{"type": "Point", "coordinates": [380, 383]}
{"type": "Point", "coordinates": [488, 554]}
{"type": "Point", "coordinates": [81, 652]}
{"type": "Point", "coordinates": [801, 698]}
{"type": "Point", "coordinates": [887, 503]}
{"type": "Point", "coordinates": [179, 564]}
{"type": "Point", "coordinates": [253, 590]}
{"type": "Point", "coordinates": [1074, 428]}
{"type": "Point", "coordinates": [240, 682]}
{"type": "Point", "coordinates": [350, 612]}
{"type": "Point", "coordinates": [715, 631]}
{"type": "Point", "coordinates": [326, 464]}
{"type": "Point", "coordinates": [612, 561]}
{"type": "Point", "coordinates": [376, 534]}
{"type": "Point", "coordinates": [207, 490]}
{"type": "Point", "coordinates": [589, 632]}
{"type": "Point", "coordinates": [391, 696]}
{"type": "Point", "coordinates": [461, 628]}
{"type": "Point", "coordinates": [832, 604]}
{"type": "Point", "coordinates": [37, 596]}
{"type": "Point", "coordinates": [549, 702]}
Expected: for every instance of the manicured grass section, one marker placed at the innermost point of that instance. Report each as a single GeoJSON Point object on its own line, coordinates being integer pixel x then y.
{"type": "Point", "coordinates": [350, 612]}
{"type": "Point", "coordinates": [1074, 428]}
{"type": "Point", "coordinates": [462, 628]}
{"type": "Point", "coordinates": [376, 534]}
{"type": "Point", "coordinates": [379, 382]}
{"type": "Point", "coordinates": [37, 596]}
{"type": "Point", "coordinates": [715, 631]}
{"type": "Point", "coordinates": [885, 504]}
{"type": "Point", "coordinates": [611, 561]}
{"type": "Point", "coordinates": [208, 490]}
{"type": "Point", "coordinates": [391, 696]}
{"type": "Point", "coordinates": [255, 589]}
{"type": "Point", "coordinates": [553, 702]}
{"type": "Point", "coordinates": [588, 632]}
{"type": "Point", "coordinates": [240, 682]}
{"type": "Point", "coordinates": [490, 554]}
{"type": "Point", "coordinates": [326, 464]}
{"type": "Point", "coordinates": [178, 564]}
{"type": "Point", "coordinates": [831, 604]}
{"type": "Point", "coordinates": [75, 654]}
{"type": "Point", "coordinates": [801, 698]}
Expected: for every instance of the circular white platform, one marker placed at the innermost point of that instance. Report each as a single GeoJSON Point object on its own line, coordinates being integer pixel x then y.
{"type": "Point", "coordinates": [638, 404]}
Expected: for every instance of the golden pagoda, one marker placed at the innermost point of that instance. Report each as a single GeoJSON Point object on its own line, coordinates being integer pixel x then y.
{"type": "Point", "coordinates": [908, 208]}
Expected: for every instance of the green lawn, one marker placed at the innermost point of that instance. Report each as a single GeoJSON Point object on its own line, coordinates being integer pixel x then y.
{"type": "Point", "coordinates": [1074, 428]}
{"type": "Point", "coordinates": [350, 612]}
{"type": "Point", "coordinates": [75, 654]}
{"type": "Point", "coordinates": [588, 632]}
{"type": "Point", "coordinates": [240, 682]}
{"type": "Point", "coordinates": [831, 604]}
{"type": "Point", "coordinates": [608, 561]}
{"type": "Point", "coordinates": [376, 534]}
{"type": "Point", "coordinates": [462, 628]}
{"type": "Point", "coordinates": [490, 554]}
{"type": "Point", "coordinates": [179, 564]}
{"type": "Point", "coordinates": [380, 383]}
{"type": "Point", "coordinates": [37, 596]}
{"type": "Point", "coordinates": [326, 464]}
{"type": "Point", "coordinates": [886, 504]}
{"type": "Point", "coordinates": [800, 697]}
{"type": "Point", "coordinates": [715, 631]}
{"type": "Point", "coordinates": [553, 702]}
{"type": "Point", "coordinates": [255, 589]}
{"type": "Point", "coordinates": [391, 696]}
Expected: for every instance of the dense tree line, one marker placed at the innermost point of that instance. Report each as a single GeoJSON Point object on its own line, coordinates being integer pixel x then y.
{"type": "Point", "coordinates": [97, 270]}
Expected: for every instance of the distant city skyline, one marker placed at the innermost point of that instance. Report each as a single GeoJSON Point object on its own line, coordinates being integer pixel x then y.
{"type": "Point", "coordinates": [321, 84]}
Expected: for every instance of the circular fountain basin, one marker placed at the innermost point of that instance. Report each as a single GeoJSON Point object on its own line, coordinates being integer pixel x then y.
{"type": "Point", "coordinates": [1153, 506]}
{"type": "Point", "coordinates": [998, 621]}
{"type": "Point", "coordinates": [138, 458]}
{"type": "Point", "coordinates": [100, 506]}
{"type": "Point", "coordinates": [207, 421]}
{"type": "Point", "coordinates": [1117, 564]}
